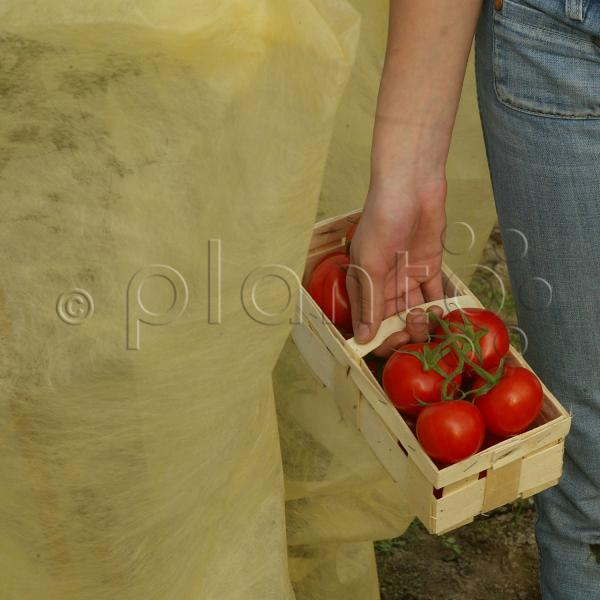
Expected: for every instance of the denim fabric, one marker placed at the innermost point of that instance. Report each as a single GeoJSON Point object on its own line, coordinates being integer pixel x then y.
{"type": "Point", "coordinates": [539, 91]}
{"type": "Point", "coordinates": [543, 65]}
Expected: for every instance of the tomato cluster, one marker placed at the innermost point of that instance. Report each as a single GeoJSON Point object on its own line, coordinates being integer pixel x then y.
{"type": "Point", "coordinates": [459, 387]}
{"type": "Point", "coordinates": [456, 390]}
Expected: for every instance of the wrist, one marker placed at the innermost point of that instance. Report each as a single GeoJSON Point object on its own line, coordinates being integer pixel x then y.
{"type": "Point", "coordinates": [408, 199]}
{"type": "Point", "coordinates": [404, 151]}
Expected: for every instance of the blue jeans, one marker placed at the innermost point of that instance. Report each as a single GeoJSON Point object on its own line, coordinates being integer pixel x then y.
{"type": "Point", "coordinates": [538, 68]}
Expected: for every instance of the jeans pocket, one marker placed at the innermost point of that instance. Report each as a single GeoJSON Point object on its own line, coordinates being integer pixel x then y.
{"type": "Point", "coordinates": [544, 66]}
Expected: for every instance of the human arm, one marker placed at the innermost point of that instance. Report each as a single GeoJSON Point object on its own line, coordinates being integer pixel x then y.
{"type": "Point", "coordinates": [428, 48]}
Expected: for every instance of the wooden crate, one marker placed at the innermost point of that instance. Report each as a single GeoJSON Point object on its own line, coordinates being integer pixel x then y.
{"type": "Point", "coordinates": [443, 499]}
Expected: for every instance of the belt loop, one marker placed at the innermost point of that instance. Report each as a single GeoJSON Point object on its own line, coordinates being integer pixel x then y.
{"type": "Point", "coordinates": [574, 9]}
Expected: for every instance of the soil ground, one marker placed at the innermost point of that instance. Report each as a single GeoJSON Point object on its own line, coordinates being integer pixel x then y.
{"type": "Point", "coordinates": [493, 558]}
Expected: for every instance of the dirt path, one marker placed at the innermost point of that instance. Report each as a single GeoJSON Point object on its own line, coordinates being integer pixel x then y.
{"type": "Point", "coordinates": [493, 558]}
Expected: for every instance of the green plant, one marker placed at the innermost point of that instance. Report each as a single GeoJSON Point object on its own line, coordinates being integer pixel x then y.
{"type": "Point", "coordinates": [451, 543]}
{"type": "Point", "coordinates": [389, 546]}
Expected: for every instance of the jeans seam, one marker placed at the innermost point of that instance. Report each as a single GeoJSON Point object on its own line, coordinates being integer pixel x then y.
{"type": "Point", "coordinates": [584, 40]}
{"type": "Point", "coordinates": [543, 113]}
{"type": "Point", "coordinates": [481, 109]}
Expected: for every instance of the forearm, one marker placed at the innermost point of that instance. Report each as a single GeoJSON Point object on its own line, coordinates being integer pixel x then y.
{"type": "Point", "coordinates": [428, 49]}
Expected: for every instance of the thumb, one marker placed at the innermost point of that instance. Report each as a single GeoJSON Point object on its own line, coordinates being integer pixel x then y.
{"type": "Point", "coordinates": [366, 292]}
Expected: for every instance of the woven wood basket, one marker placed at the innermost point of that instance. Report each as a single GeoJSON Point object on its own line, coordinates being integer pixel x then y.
{"type": "Point", "coordinates": [443, 499]}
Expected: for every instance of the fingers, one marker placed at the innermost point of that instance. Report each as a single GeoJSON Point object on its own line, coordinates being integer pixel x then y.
{"type": "Point", "coordinates": [433, 289]}
{"type": "Point", "coordinates": [366, 292]}
{"type": "Point", "coordinates": [393, 306]}
{"type": "Point", "coordinates": [420, 324]}
{"type": "Point", "coordinates": [419, 327]}
{"type": "Point", "coordinates": [438, 311]}
{"type": "Point", "coordinates": [393, 342]}
{"type": "Point", "coordinates": [414, 297]}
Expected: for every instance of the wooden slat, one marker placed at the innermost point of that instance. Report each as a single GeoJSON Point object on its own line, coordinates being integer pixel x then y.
{"type": "Point", "coordinates": [328, 334]}
{"type": "Point", "coordinates": [347, 395]}
{"type": "Point", "coordinates": [439, 531]}
{"type": "Point", "coordinates": [379, 402]}
{"type": "Point", "coordinates": [541, 467]}
{"type": "Point", "coordinates": [459, 485]}
{"type": "Point", "coordinates": [317, 356]}
{"type": "Point", "coordinates": [501, 485]}
{"type": "Point", "coordinates": [456, 286]}
{"type": "Point", "coordinates": [539, 488]}
{"type": "Point", "coordinates": [420, 495]}
{"type": "Point", "coordinates": [334, 228]}
{"type": "Point", "coordinates": [459, 506]}
{"type": "Point", "coordinates": [328, 236]}
{"type": "Point", "coordinates": [418, 490]}
{"type": "Point", "coordinates": [383, 444]}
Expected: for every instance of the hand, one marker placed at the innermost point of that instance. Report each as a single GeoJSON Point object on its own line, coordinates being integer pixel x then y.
{"type": "Point", "coordinates": [397, 255]}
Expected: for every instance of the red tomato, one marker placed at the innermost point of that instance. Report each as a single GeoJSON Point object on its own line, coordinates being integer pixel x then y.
{"type": "Point", "coordinates": [409, 381]}
{"type": "Point", "coordinates": [451, 431]}
{"type": "Point", "coordinates": [327, 286]}
{"type": "Point", "coordinates": [493, 343]}
{"type": "Point", "coordinates": [513, 404]}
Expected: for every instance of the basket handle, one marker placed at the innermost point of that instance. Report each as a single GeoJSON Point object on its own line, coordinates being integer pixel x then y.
{"type": "Point", "coordinates": [397, 322]}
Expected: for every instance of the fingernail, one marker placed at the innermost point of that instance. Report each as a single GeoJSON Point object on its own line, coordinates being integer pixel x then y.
{"type": "Point", "coordinates": [362, 331]}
